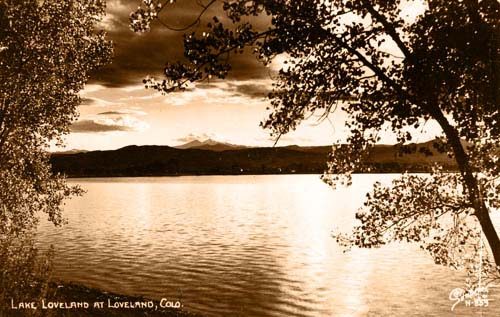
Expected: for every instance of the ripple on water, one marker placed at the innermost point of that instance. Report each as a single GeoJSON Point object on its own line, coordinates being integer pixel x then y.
{"type": "Point", "coordinates": [243, 246]}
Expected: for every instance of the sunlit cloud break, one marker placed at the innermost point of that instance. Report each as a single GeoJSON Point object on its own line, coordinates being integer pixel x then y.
{"type": "Point", "coordinates": [108, 124]}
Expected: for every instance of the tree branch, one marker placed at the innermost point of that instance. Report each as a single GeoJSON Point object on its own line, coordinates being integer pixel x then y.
{"type": "Point", "coordinates": [388, 27]}
{"type": "Point", "coordinates": [190, 25]}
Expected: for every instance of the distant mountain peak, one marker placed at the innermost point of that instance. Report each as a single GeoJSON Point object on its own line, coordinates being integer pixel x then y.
{"type": "Point", "coordinates": [209, 144]}
{"type": "Point", "coordinates": [189, 144]}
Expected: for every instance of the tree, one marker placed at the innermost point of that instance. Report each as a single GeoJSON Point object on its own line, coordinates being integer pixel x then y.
{"type": "Point", "coordinates": [47, 51]}
{"type": "Point", "coordinates": [387, 72]}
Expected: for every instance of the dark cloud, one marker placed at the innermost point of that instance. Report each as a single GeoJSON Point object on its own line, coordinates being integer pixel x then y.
{"type": "Point", "coordinates": [87, 101]}
{"type": "Point", "coordinates": [89, 126]}
{"type": "Point", "coordinates": [253, 90]}
{"type": "Point", "coordinates": [122, 113]}
{"type": "Point", "coordinates": [204, 85]}
{"type": "Point", "coordinates": [111, 113]}
{"type": "Point", "coordinates": [140, 55]}
{"type": "Point", "coordinates": [258, 90]}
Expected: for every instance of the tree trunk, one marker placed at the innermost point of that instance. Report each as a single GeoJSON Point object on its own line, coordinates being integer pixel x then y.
{"type": "Point", "coordinates": [471, 185]}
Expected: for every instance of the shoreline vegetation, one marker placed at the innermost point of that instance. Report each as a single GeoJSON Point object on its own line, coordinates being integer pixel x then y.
{"type": "Point", "coordinates": [132, 161]}
{"type": "Point", "coordinates": [65, 293]}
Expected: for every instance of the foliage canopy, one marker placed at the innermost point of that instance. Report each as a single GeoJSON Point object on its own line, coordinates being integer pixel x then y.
{"type": "Point", "coordinates": [47, 51]}
{"type": "Point", "coordinates": [386, 71]}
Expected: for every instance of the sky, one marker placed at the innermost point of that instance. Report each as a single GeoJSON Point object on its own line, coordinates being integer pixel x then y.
{"type": "Point", "coordinates": [118, 111]}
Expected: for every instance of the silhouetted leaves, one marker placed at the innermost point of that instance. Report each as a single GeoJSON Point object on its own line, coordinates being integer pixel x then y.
{"type": "Point", "coordinates": [48, 50]}
{"type": "Point", "coordinates": [387, 72]}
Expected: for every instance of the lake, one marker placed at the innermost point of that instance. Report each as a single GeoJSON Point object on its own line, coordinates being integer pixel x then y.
{"type": "Point", "coordinates": [245, 246]}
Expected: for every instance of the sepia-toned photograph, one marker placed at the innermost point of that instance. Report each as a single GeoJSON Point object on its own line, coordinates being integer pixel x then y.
{"type": "Point", "coordinates": [261, 158]}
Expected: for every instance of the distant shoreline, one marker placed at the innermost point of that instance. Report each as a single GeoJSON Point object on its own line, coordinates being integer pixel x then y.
{"type": "Point", "coordinates": [144, 161]}
{"type": "Point", "coordinates": [270, 174]}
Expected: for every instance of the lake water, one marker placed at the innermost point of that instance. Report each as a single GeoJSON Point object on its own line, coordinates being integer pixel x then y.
{"type": "Point", "coordinates": [245, 246]}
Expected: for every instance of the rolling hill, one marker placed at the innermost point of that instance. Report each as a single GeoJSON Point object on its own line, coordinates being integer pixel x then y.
{"type": "Point", "coordinates": [204, 160]}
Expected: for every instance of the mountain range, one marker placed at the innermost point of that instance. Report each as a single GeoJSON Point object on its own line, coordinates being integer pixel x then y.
{"type": "Point", "coordinates": [215, 158]}
{"type": "Point", "coordinates": [210, 144]}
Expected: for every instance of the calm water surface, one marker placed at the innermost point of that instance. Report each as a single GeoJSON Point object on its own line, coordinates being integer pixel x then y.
{"type": "Point", "coordinates": [245, 246]}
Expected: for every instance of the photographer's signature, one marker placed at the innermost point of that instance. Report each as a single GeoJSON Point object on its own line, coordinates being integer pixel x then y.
{"type": "Point", "coordinates": [477, 297]}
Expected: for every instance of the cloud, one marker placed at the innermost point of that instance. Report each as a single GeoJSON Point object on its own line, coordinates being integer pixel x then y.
{"type": "Point", "coordinates": [122, 112]}
{"type": "Point", "coordinates": [89, 126]}
{"type": "Point", "coordinates": [87, 101]}
{"type": "Point", "coordinates": [206, 85]}
{"type": "Point", "coordinates": [108, 124]}
{"type": "Point", "coordinates": [139, 55]}
{"type": "Point", "coordinates": [110, 113]}
{"type": "Point", "coordinates": [248, 93]}
{"type": "Point", "coordinates": [259, 91]}
{"type": "Point", "coordinates": [254, 89]}
{"type": "Point", "coordinates": [92, 101]}
{"type": "Point", "coordinates": [91, 88]}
